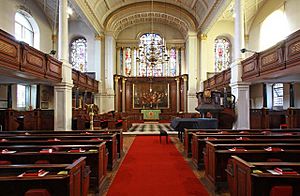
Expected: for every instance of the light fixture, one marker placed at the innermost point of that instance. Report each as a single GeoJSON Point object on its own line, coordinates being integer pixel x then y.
{"type": "Point", "coordinates": [243, 50]}
{"type": "Point", "coordinates": [152, 51]}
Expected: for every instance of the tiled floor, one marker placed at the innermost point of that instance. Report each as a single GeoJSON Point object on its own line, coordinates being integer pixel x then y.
{"type": "Point", "coordinates": [149, 128]}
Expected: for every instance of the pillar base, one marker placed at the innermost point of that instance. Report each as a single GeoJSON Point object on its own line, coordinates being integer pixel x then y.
{"type": "Point", "coordinates": [242, 105]}
{"type": "Point", "coordinates": [107, 103]}
{"type": "Point", "coordinates": [192, 103]}
{"type": "Point", "coordinates": [63, 107]}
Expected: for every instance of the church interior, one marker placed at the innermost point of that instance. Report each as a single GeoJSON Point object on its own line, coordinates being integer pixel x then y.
{"type": "Point", "coordinates": [149, 97]}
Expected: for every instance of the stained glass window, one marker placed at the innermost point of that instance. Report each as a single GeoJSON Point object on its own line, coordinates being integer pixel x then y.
{"type": "Point", "coordinates": [172, 62]}
{"type": "Point", "coordinates": [78, 56]}
{"type": "Point", "coordinates": [121, 60]}
{"type": "Point", "coordinates": [222, 54]}
{"type": "Point", "coordinates": [128, 59]}
{"type": "Point", "coordinates": [151, 61]}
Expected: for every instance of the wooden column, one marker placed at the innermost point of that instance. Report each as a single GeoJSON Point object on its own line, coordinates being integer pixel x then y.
{"type": "Point", "coordinates": [9, 97]}
{"type": "Point", "coordinates": [117, 93]}
{"type": "Point", "coordinates": [77, 98]}
{"type": "Point", "coordinates": [38, 96]}
{"type": "Point", "coordinates": [123, 94]}
{"type": "Point", "coordinates": [292, 95]}
{"type": "Point", "coordinates": [185, 92]}
{"type": "Point", "coordinates": [265, 97]}
{"type": "Point", "coordinates": [177, 95]}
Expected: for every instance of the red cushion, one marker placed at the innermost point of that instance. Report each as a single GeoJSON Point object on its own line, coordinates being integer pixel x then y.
{"type": "Point", "coordinates": [281, 190]}
{"type": "Point", "coordinates": [37, 192]}
{"type": "Point", "coordinates": [274, 160]}
{"type": "Point", "coordinates": [5, 162]}
{"type": "Point", "coordinates": [42, 162]}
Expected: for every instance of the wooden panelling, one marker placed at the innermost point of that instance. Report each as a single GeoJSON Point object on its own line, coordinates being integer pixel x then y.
{"type": "Point", "coordinates": [145, 83]}
{"type": "Point", "coordinates": [10, 51]}
{"type": "Point", "coordinates": [250, 67]}
{"type": "Point", "coordinates": [279, 61]}
{"type": "Point", "coordinates": [84, 82]}
{"type": "Point", "coordinates": [54, 68]}
{"type": "Point", "coordinates": [33, 61]}
{"type": "Point", "coordinates": [292, 49]}
{"type": "Point", "coordinates": [218, 81]}
{"type": "Point", "coordinates": [271, 60]}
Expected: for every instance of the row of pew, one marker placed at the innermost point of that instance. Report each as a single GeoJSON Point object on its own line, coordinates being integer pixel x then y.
{"type": "Point", "coordinates": [58, 162]}
{"type": "Point", "coordinates": [247, 162]}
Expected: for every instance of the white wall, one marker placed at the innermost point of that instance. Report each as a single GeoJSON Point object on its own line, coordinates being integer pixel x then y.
{"type": "Point", "coordinates": [221, 28]}
{"type": "Point", "coordinates": [291, 9]}
{"type": "Point", "coordinates": [8, 10]}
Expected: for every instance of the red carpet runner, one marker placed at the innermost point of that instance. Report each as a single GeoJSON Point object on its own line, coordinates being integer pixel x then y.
{"type": "Point", "coordinates": [151, 168]}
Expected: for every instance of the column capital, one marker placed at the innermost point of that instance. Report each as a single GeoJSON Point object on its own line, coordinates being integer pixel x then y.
{"type": "Point", "coordinates": [203, 36]}
{"type": "Point", "coordinates": [100, 37]}
{"type": "Point", "coordinates": [246, 37]}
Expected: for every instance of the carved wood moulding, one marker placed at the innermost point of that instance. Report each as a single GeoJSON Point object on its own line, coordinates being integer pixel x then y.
{"type": "Point", "coordinates": [84, 82]}
{"type": "Point", "coordinates": [218, 81]}
{"type": "Point", "coordinates": [275, 60]}
{"type": "Point", "coordinates": [21, 58]}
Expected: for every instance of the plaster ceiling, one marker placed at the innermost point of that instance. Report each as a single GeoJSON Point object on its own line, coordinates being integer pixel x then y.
{"type": "Point", "coordinates": [117, 15]}
{"type": "Point", "coordinates": [251, 7]}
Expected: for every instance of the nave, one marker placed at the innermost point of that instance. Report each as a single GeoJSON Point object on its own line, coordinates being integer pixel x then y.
{"type": "Point", "coordinates": [154, 168]}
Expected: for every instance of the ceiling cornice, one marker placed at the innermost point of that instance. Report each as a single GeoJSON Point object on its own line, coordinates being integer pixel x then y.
{"type": "Point", "coordinates": [89, 13]}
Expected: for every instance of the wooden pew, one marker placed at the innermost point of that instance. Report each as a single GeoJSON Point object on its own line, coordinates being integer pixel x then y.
{"type": "Point", "coordinates": [199, 142]}
{"type": "Point", "coordinates": [73, 179]}
{"type": "Point", "coordinates": [188, 134]}
{"type": "Point", "coordinates": [217, 155]}
{"type": "Point", "coordinates": [248, 177]}
{"type": "Point", "coordinates": [110, 142]}
{"type": "Point", "coordinates": [61, 154]}
{"type": "Point", "coordinates": [119, 133]}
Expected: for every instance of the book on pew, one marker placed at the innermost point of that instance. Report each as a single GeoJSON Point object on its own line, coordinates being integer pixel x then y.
{"type": "Point", "coordinates": [54, 140]}
{"type": "Point", "coordinates": [6, 151]}
{"type": "Point", "coordinates": [282, 172]}
{"type": "Point", "coordinates": [237, 149]}
{"type": "Point", "coordinates": [242, 138]}
{"type": "Point", "coordinates": [76, 150]}
{"type": "Point", "coordinates": [210, 138]}
{"type": "Point", "coordinates": [62, 173]}
{"type": "Point", "coordinates": [287, 171]}
{"type": "Point", "coordinates": [96, 139]}
{"type": "Point", "coordinates": [47, 150]}
{"type": "Point", "coordinates": [275, 149]}
{"type": "Point", "coordinates": [34, 173]}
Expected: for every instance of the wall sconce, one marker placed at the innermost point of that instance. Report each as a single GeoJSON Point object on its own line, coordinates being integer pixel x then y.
{"type": "Point", "coordinates": [243, 50]}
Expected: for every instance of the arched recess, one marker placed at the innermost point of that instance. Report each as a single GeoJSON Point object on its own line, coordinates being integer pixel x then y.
{"type": "Point", "coordinates": [141, 13]}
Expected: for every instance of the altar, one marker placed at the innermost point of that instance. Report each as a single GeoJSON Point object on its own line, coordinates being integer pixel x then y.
{"type": "Point", "coordinates": [150, 114]}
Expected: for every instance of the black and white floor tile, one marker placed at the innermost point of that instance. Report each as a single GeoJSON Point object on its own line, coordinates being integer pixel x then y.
{"type": "Point", "coordinates": [150, 128]}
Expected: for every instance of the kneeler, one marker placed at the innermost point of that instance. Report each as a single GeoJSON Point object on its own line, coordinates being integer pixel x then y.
{"type": "Point", "coordinates": [281, 190]}
{"type": "Point", "coordinates": [37, 192]}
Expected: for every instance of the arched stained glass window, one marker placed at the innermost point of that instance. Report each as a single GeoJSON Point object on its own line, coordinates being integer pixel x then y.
{"type": "Point", "coordinates": [151, 58]}
{"type": "Point", "coordinates": [222, 54]}
{"type": "Point", "coordinates": [78, 56]}
{"type": "Point", "coordinates": [128, 59]}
